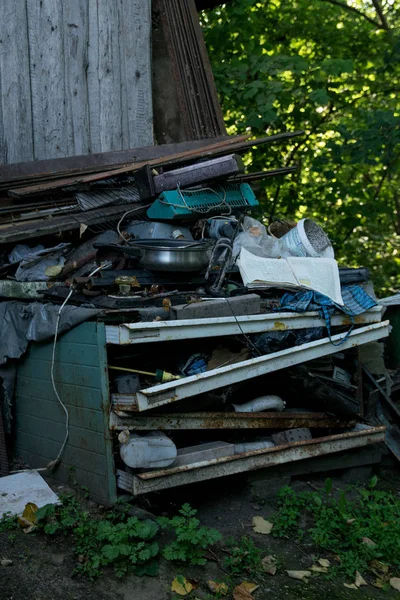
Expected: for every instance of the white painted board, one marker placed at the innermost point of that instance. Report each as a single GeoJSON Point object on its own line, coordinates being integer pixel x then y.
{"type": "Point", "coordinates": [19, 489]}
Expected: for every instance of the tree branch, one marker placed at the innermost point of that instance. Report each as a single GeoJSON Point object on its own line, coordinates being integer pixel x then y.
{"type": "Point", "coordinates": [356, 11]}
{"type": "Point", "coordinates": [275, 203]}
{"type": "Point", "coordinates": [381, 14]}
{"type": "Point", "coordinates": [380, 184]}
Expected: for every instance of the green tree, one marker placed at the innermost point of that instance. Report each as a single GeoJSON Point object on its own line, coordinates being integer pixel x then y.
{"type": "Point", "coordinates": [331, 68]}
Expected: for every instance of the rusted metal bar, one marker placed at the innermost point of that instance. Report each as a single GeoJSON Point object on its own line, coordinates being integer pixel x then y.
{"type": "Point", "coordinates": [137, 333]}
{"type": "Point", "coordinates": [225, 420]}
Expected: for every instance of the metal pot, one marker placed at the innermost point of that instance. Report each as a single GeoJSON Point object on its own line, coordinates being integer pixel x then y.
{"type": "Point", "coordinates": [172, 255]}
{"type": "Point", "coordinates": [167, 255]}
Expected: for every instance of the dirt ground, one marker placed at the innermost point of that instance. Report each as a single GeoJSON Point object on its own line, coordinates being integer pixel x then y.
{"type": "Point", "coordinates": [42, 567]}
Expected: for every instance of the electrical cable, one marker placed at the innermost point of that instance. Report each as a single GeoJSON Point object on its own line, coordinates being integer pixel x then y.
{"type": "Point", "coordinates": [137, 208]}
{"type": "Point", "coordinates": [55, 462]}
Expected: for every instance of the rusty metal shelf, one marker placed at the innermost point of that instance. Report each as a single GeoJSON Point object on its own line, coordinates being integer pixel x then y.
{"type": "Point", "coordinates": [152, 481]}
{"type": "Point", "coordinates": [226, 420]}
{"type": "Point", "coordinates": [163, 331]}
{"type": "Point", "coordinates": [187, 387]}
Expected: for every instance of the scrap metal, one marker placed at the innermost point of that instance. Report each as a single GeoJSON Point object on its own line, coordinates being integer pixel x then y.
{"type": "Point", "coordinates": [218, 420]}
{"type": "Point", "coordinates": [143, 483]}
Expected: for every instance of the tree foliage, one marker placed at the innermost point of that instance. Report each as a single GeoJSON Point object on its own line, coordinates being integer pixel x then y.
{"type": "Point", "coordinates": [331, 68]}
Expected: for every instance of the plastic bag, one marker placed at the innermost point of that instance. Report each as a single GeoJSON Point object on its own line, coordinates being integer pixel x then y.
{"type": "Point", "coordinates": [255, 239]}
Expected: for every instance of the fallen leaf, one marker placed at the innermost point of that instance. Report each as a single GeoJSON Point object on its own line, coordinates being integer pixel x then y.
{"type": "Point", "coordinates": [269, 565]}
{"type": "Point", "coordinates": [379, 568]}
{"type": "Point", "coordinates": [324, 562]}
{"type": "Point", "coordinates": [217, 588]}
{"type": "Point", "coordinates": [359, 581]}
{"type": "Point", "coordinates": [6, 562]}
{"type": "Point", "coordinates": [301, 575]}
{"type": "Point", "coordinates": [260, 525]}
{"type": "Point", "coordinates": [395, 583]}
{"type": "Point", "coordinates": [368, 542]}
{"type": "Point", "coordinates": [53, 270]}
{"type": "Point", "coordinates": [27, 521]}
{"type": "Point", "coordinates": [244, 591]}
{"type": "Point", "coordinates": [181, 586]}
{"type": "Point", "coordinates": [318, 569]}
{"type": "Point", "coordinates": [379, 583]}
{"type": "Point", "coordinates": [350, 586]}
{"type": "Point", "coordinates": [249, 587]}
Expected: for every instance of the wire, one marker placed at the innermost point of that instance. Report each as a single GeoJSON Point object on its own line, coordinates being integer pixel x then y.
{"type": "Point", "coordinates": [198, 209]}
{"type": "Point", "coordinates": [246, 337]}
{"type": "Point", "coordinates": [123, 217]}
{"type": "Point", "coordinates": [55, 462]}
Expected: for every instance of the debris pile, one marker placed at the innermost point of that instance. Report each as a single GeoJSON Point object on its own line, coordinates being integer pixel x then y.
{"type": "Point", "coordinates": [159, 245]}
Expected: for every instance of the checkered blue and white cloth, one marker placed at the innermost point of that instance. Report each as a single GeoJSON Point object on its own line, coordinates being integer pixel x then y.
{"type": "Point", "coordinates": [356, 301]}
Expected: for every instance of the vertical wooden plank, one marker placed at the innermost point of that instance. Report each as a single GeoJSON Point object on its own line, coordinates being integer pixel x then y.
{"type": "Point", "coordinates": [104, 77]}
{"type": "Point", "coordinates": [75, 32]}
{"type": "Point", "coordinates": [46, 53]}
{"type": "Point", "coordinates": [93, 83]}
{"type": "Point", "coordinates": [135, 61]}
{"type": "Point", "coordinates": [16, 137]}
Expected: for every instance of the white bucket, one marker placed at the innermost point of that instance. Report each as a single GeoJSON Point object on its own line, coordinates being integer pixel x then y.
{"type": "Point", "coordinates": [299, 243]}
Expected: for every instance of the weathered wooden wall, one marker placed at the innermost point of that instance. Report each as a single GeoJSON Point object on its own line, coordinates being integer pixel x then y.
{"type": "Point", "coordinates": [75, 77]}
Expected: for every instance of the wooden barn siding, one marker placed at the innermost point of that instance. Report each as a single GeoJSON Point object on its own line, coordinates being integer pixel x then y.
{"type": "Point", "coordinates": [75, 77]}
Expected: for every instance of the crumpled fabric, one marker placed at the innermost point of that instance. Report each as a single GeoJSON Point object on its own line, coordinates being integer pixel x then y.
{"type": "Point", "coordinates": [355, 298]}
{"type": "Point", "coordinates": [22, 323]}
{"type": "Point", "coordinates": [35, 262]}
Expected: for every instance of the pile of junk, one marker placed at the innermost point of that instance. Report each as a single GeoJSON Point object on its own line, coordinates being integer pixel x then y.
{"type": "Point", "coordinates": [267, 347]}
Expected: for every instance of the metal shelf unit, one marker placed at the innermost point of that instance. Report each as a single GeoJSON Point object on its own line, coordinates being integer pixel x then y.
{"type": "Point", "coordinates": [96, 414]}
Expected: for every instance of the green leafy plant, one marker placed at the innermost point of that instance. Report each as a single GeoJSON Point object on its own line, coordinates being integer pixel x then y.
{"type": "Point", "coordinates": [287, 518]}
{"type": "Point", "coordinates": [358, 527]}
{"type": "Point", "coordinates": [119, 541]}
{"type": "Point", "coordinates": [332, 69]}
{"type": "Point", "coordinates": [126, 546]}
{"type": "Point", "coordinates": [8, 522]}
{"type": "Point", "coordinates": [192, 539]}
{"type": "Point", "coordinates": [244, 558]}
{"type": "Point", "coordinates": [53, 518]}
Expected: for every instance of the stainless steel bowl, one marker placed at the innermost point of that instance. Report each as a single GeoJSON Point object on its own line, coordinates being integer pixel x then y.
{"type": "Point", "coordinates": [172, 255]}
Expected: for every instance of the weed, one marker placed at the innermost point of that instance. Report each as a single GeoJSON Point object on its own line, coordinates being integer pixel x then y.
{"type": "Point", "coordinates": [60, 518]}
{"type": "Point", "coordinates": [126, 544]}
{"type": "Point", "coordinates": [245, 557]}
{"type": "Point", "coordinates": [341, 524]}
{"type": "Point", "coordinates": [287, 518]}
{"type": "Point", "coordinates": [8, 522]}
{"type": "Point", "coordinates": [192, 540]}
